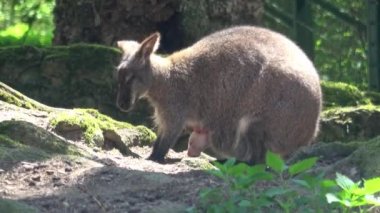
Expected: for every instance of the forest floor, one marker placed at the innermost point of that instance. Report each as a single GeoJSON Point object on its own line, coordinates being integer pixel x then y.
{"type": "Point", "coordinates": [105, 182]}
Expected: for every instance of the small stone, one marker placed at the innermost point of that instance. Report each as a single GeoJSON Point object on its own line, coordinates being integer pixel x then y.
{"type": "Point", "coordinates": [36, 178]}
{"type": "Point", "coordinates": [28, 167]}
{"type": "Point", "coordinates": [68, 169]}
{"type": "Point", "coordinates": [55, 178]}
{"type": "Point", "coordinates": [41, 166]}
{"type": "Point", "coordinates": [58, 184]}
{"type": "Point", "coordinates": [68, 162]}
{"type": "Point", "coordinates": [49, 172]}
{"type": "Point", "coordinates": [106, 178]}
{"type": "Point", "coordinates": [32, 183]}
{"type": "Point", "coordinates": [65, 204]}
{"type": "Point", "coordinates": [8, 182]}
{"type": "Point", "coordinates": [2, 171]}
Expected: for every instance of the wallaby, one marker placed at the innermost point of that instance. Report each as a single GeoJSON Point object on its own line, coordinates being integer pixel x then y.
{"type": "Point", "coordinates": [252, 89]}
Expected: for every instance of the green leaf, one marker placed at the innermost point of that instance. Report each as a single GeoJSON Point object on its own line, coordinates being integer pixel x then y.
{"type": "Point", "coordinates": [331, 198]}
{"type": "Point", "coordinates": [262, 202]}
{"type": "Point", "coordinates": [238, 170]}
{"type": "Point", "coordinates": [275, 162]}
{"type": "Point", "coordinates": [230, 162]}
{"type": "Point", "coordinates": [263, 176]}
{"type": "Point", "coordinates": [370, 199]}
{"type": "Point", "coordinates": [302, 183]}
{"type": "Point", "coordinates": [276, 191]}
{"type": "Point", "coordinates": [302, 166]}
{"type": "Point", "coordinates": [344, 182]}
{"type": "Point", "coordinates": [328, 183]}
{"type": "Point", "coordinates": [372, 186]}
{"type": "Point", "coordinates": [218, 173]}
{"type": "Point", "coordinates": [245, 203]}
{"type": "Point", "coordinates": [259, 168]}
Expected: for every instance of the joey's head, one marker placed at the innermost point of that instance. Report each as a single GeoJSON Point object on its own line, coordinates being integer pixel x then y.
{"type": "Point", "coordinates": [134, 73]}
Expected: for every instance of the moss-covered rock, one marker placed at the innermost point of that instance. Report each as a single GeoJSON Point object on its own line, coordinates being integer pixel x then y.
{"type": "Point", "coordinates": [16, 134]}
{"type": "Point", "coordinates": [12, 152]}
{"type": "Point", "coordinates": [66, 76]}
{"type": "Point", "coordinates": [341, 94]}
{"type": "Point", "coordinates": [96, 128]}
{"type": "Point", "coordinates": [350, 123]}
{"type": "Point", "coordinates": [23, 141]}
{"type": "Point", "coordinates": [12, 206]}
{"type": "Point", "coordinates": [373, 96]}
{"type": "Point", "coordinates": [358, 159]}
{"type": "Point", "coordinates": [203, 162]}
{"type": "Point", "coordinates": [11, 96]}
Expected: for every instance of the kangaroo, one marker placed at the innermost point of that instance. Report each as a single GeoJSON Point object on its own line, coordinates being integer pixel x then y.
{"type": "Point", "coordinates": [252, 89]}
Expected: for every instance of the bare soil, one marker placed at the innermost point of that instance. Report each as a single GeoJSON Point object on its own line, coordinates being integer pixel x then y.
{"type": "Point", "coordinates": [106, 182]}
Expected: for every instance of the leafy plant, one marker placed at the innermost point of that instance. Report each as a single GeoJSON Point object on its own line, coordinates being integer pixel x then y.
{"type": "Point", "coordinates": [355, 194]}
{"type": "Point", "coordinates": [26, 22]}
{"type": "Point", "coordinates": [277, 187]}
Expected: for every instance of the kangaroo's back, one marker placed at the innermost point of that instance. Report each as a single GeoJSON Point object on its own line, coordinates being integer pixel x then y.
{"type": "Point", "coordinates": [254, 74]}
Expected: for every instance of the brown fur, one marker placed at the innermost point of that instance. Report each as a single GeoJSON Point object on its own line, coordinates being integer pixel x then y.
{"type": "Point", "coordinates": [253, 89]}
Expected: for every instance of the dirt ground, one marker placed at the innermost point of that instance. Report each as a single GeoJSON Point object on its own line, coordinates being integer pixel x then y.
{"type": "Point", "coordinates": [106, 182]}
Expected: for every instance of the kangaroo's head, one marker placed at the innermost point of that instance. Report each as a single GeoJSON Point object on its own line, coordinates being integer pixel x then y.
{"type": "Point", "coordinates": [134, 73]}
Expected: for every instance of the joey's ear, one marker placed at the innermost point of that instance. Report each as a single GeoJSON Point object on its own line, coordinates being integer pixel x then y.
{"type": "Point", "coordinates": [149, 45]}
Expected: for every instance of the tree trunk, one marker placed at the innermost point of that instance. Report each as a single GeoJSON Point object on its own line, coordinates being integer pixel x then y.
{"type": "Point", "coordinates": [180, 22]}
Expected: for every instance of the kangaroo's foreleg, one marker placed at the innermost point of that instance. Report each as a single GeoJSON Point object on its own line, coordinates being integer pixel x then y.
{"type": "Point", "coordinates": [165, 140]}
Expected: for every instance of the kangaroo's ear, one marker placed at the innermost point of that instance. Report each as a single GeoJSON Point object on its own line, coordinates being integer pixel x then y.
{"type": "Point", "coordinates": [149, 45]}
{"type": "Point", "coordinates": [128, 47]}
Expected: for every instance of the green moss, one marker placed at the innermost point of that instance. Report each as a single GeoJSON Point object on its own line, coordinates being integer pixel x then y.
{"type": "Point", "coordinates": [202, 162]}
{"type": "Point", "coordinates": [342, 94]}
{"type": "Point", "coordinates": [14, 97]}
{"type": "Point", "coordinates": [367, 158]}
{"type": "Point", "coordinates": [12, 151]}
{"type": "Point", "coordinates": [344, 111]}
{"type": "Point", "coordinates": [350, 123]}
{"type": "Point", "coordinates": [373, 96]}
{"type": "Point", "coordinates": [147, 136]}
{"type": "Point", "coordinates": [5, 141]}
{"type": "Point", "coordinates": [94, 123]}
{"type": "Point", "coordinates": [21, 134]}
{"type": "Point", "coordinates": [94, 54]}
{"type": "Point", "coordinates": [12, 206]}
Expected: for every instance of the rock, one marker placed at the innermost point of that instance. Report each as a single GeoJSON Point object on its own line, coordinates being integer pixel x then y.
{"type": "Point", "coordinates": [72, 76]}
{"type": "Point", "coordinates": [202, 162]}
{"type": "Point", "coordinates": [343, 94]}
{"type": "Point", "coordinates": [49, 172]}
{"type": "Point", "coordinates": [358, 159]}
{"type": "Point", "coordinates": [9, 95]}
{"type": "Point", "coordinates": [32, 183]}
{"type": "Point", "coordinates": [100, 130]}
{"type": "Point", "coordinates": [26, 133]}
{"type": "Point", "coordinates": [36, 178]}
{"type": "Point", "coordinates": [68, 169]}
{"type": "Point", "coordinates": [350, 123]}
